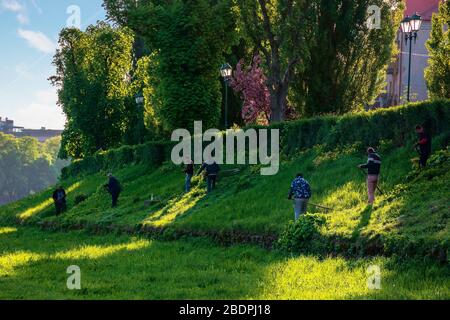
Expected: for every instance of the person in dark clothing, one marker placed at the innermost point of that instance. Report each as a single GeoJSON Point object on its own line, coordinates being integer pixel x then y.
{"type": "Point", "coordinates": [113, 187]}
{"type": "Point", "coordinates": [423, 146]}
{"type": "Point", "coordinates": [211, 169]}
{"type": "Point", "coordinates": [59, 197]}
{"type": "Point", "coordinates": [189, 171]}
{"type": "Point", "coordinates": [373, 167]}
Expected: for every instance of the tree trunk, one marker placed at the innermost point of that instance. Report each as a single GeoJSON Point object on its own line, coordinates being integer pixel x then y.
{"type": "Point", "coordinates": [278, 102]}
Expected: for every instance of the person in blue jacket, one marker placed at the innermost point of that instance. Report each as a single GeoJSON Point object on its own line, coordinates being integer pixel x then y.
{"type": "Point", "coordinates": [300, 192]}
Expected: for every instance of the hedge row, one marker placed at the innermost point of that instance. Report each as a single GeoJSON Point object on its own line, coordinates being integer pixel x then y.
{"type": "Point", "coordinates": [369, 128]}
{"type": "Point", "coordinates": [151, 153]}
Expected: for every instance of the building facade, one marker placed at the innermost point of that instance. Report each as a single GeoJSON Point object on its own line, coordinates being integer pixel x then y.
{"type": "Point", "coordinates": [397, 73]}
{"type": "Point", "coordinates": [7, 126]}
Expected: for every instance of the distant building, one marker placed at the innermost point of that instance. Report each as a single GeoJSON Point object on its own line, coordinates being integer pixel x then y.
{"type": "Point", "coordinates": [7, 126]}
{"type": "Point", "coordinates": [397, 73]}
{"type": "Point", "coordinates": [43, 134]}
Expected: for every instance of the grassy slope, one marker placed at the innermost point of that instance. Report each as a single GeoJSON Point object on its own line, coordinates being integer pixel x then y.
{"type": "Point", "coordinates": [250, 203]}
{"type": "Point", "coordinates": [33, 265]}
{"type": "Point", "coordinates": [33, 262]}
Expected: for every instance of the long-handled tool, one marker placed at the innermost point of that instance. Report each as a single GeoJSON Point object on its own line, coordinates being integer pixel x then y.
{"type": "Point", "coordinates": [378, 188]}
{"type": "Point", "coordinates": [319, 206]}
{"type": "Point", "coordinates": [316, 205]}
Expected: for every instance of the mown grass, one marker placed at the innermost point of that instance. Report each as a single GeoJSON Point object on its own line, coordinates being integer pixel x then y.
{"type": "Point", "coordinates": [33, 265]}
{"type": "Point", "coordinates": [250, 203]}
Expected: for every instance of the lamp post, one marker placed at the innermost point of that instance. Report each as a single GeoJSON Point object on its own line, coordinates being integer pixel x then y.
{"type": "Point", "coordinates": [226, 71]}
{"type": "Point", "coordinates": [139, 103]}
{"type": "Point", "coordinates": [410, 26]}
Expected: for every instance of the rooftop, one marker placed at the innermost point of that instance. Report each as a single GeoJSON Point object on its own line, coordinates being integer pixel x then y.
{"type": "Point", "coordinates": [425, 8]}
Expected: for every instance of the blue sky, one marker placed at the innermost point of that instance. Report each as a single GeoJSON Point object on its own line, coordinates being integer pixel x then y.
{"type": "Point", "coordinates": [28, 37]}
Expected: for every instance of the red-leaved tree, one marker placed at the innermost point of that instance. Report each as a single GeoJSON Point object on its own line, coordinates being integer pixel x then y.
{"type": "Point", "coordinates": [250, 83]}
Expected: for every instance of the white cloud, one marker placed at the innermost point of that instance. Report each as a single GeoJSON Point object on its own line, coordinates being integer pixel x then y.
{"type": "Point", "coordinates": [41, 112]}
{"type": "Point", "coordinates": [12, 5]}
{"type": "Point", "coordinates": [38, 40]}
{"type": "Point", "coordinates": [17, 7]}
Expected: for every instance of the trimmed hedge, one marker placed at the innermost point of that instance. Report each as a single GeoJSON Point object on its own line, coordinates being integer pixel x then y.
{"type": "Point", "coordinates": [369, 128]}
{"type": "Point", "coordinates": [151, 153]}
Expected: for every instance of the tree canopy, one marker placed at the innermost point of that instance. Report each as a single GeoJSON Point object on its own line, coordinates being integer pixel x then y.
{"type": "Point", "coordinates": [92, 77]}
{"type": "Point", "coordinates": [187, 40]}
{"type": "Point", "coordinates": [27, 166]}
{"type": "Point", "coordinates": [321, 56]}
{"type": "Point", "coordinates": [437, 73]}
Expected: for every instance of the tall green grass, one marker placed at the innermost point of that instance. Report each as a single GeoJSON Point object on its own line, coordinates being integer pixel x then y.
{"type": "Point", "coordinates": [33, 265]}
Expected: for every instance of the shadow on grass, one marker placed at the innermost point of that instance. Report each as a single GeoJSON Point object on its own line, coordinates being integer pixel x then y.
{"type": "Point", "coordinates": [406, 280]}
{"type": "Point", "coordinates": [363, 222]}
{"type": "Point", "coordinates": [120, 267]}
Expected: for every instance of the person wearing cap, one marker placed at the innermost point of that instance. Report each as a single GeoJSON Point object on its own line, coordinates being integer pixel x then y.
{"type": "Point", "coordinates": [373, 167]}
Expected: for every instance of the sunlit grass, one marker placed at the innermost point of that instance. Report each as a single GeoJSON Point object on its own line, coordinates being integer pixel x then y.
{"type": "Point", "coordinates": [309, 278]}
{"type": "Point", "coordinates": [7, 230]}
{"type": "Point", "coordinates": [11, 261]}
{"type": "Point", "coordinates": [120, 267]}
{"type": "Point", "coordinates": [47, 203]}
{"type": "Point", "coordinates": [95, 252]}
{"type": "Point", "coordinates": [175, 208]}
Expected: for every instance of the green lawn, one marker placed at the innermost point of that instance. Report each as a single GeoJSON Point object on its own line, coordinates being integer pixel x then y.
{"type": "Point", "coordinates": [33, 265]}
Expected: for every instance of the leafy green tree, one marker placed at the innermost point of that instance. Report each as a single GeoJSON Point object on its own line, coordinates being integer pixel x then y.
{"type": "Point", "coordinates": [144, 83]}
{"type": "Point", "coordinates": [321, 56]}
{"type": "Point", "coordinates": [188, 39]}
{"type": "Point", "coordinates": [93, 80]}
{"type": "Point", "coordinates": [437, 74]}
{"type": "Point", "coordinates": [27, 166]}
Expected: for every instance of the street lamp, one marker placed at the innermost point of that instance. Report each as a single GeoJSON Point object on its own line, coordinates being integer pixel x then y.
{"type": "Point", "coordinates": [140, 111]}
{"type": "Point", "coordinates": [410, 26]}
{"type": "Point", "coordinates": [226, 71]}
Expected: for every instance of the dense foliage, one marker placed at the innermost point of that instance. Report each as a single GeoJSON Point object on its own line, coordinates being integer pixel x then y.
{"type": "Point", "coordinates": [187, 40]}
{"type": "Point", "coordinates": [321, 56]}
{"type": "Point", "coordinates": [92, 77]}
{"type": "Point", "coordinates": [26, 166]}
{"type": "Point", "coordinates": [437, 73]}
